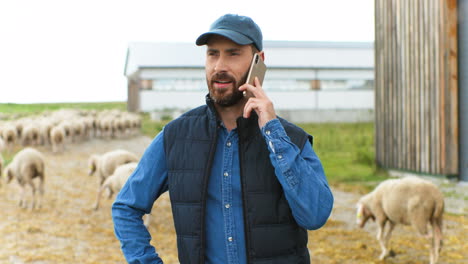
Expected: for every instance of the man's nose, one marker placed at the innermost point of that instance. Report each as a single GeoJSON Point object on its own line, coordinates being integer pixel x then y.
{"type": "Point", "coordinates": [221, 64]}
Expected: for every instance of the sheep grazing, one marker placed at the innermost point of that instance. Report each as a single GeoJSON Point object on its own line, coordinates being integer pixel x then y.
{"type": "Point", "coordinates": [27, 165]}
{"type": "Point", "coordinates": [10, 136]}
{"type": "Point", "coordinates": [116, 181]}
{"type": "Point", "coordinates": [409, 201]}
{"type": "Point", "coordinates": [2, 145]}
{"type": "Point", "coordinates": [30, 135]}
{"type": "Point", "coordinates": [104, 165]}
{"type": "Point", "coordinates": [57, 138]}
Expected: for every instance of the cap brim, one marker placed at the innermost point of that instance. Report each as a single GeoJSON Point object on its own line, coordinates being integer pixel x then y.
{"type": "Point", "coordinates": [232, 35]}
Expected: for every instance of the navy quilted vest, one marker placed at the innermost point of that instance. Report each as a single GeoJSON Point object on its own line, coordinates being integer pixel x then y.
{"type": "Point", "coordinates": [272, 235]}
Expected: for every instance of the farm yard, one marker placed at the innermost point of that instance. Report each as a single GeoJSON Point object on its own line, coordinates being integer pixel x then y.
{"type": "Point", "coordinates": [66, 229]}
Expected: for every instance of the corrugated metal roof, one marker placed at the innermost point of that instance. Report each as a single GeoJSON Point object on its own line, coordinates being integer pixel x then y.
{"type": "Point", "coordinates": [282, 54]}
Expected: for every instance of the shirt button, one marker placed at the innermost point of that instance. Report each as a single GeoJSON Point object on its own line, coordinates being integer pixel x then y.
{"type": "Point", "coordinates": [227, 206]}
{"type": "Point", "coordinates": [280, 156]}
{"type": "Point", "coordinates": [229, 144]}
{"type": "Point", "coordinates": [230, 239]}
{"type": "Point", "coordinates": [267, 132]}
{"type": "Point", "coordinates": [226, 174]}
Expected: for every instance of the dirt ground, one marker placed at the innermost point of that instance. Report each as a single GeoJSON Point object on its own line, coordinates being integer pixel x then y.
{"type": "Point", "coordinates": [67, 230]}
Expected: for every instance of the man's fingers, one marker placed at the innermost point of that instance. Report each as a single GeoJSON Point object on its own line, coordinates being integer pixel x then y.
{"type": "Point", "coordinates": [249, 107]}
{"type": "Point", "coordinates": [256, 90]}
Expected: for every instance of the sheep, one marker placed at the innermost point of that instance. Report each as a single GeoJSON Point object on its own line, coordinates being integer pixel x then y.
{"type": "Point", "coordinates": [10, 136]}
{"type": "Point", "coordinates": [106, 163]}
{"type": "Point", "coordinates": [78, 130]}
{"type": "Point", "coordinates": [45, 126]}
{"type": "Point", "coordinates": [57, 138]}
{"type": "Point", "coordinates": [409, 201]}
{"type": "Point", "coordinates": [27, 165]}
{"type": "Point", "coordinates": [2, 145]}
{"type": "Point", "coordinates": [115, 181]}
{"type": "Point", "coordinates": [105, 127]}
{"type": "Point", "coordinates": [30, 135]}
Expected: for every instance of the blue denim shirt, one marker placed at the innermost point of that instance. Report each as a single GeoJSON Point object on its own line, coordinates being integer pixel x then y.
{"type": "Point", "coordinates": [306, 190]}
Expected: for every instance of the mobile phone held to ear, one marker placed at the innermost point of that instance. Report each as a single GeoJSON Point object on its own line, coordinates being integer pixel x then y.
{"type": "Point", "coordinates": [257, 69]}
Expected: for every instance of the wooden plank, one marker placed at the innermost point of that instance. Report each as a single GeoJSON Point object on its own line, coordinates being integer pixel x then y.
{"type": "Point", "coordinates": [441, 88]}
{"type": "Point", "coordinates": [452, 88]}
{"type": "Point", "coordinates": [407, 87]}
{"type": "Point", "coordinates": [435, 148]}
{"type": "Point", "coordinates": [378, 85]}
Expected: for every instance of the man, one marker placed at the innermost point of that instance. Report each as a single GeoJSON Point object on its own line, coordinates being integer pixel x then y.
{"type": "Point", "coordinates": [244, 184]}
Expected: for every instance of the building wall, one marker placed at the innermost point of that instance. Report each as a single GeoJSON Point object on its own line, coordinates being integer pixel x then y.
{"type": "Point", "coordinates": [297, 100]}
{"type": "Point", "coordinates": [416, 85]}
{"type": "Point", "coordinates": [302, 78]}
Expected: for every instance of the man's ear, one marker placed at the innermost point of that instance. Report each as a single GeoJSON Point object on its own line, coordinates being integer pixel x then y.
{"type": "Point", "coordinates": [262, 55]}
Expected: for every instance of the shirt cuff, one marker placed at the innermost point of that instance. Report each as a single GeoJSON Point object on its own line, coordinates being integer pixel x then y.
{"type": "Point", "coordinates": [273, 129]}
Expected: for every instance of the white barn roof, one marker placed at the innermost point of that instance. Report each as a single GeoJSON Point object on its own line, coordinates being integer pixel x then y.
{"type": "Point", "coordinates": [278, 54]}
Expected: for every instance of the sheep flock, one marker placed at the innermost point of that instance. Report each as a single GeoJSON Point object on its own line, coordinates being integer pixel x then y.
{"type": "Point", "coordinates": [58, 128]}
{"type": "Point", "coordinates": [54, 131]}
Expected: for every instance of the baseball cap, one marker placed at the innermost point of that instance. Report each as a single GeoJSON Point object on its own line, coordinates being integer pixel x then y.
{"type": "Point", "coordinates": [240, 29]}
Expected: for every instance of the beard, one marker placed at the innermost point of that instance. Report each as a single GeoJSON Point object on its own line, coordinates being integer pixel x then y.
{"type": "Point", "coordinates": [224, 98]}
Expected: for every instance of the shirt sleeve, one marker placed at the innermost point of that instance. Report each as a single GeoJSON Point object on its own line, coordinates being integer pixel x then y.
{"type": "Point", "coordinates": [301, 175]}
{"type": "Point", "coordinates": [144, 186]}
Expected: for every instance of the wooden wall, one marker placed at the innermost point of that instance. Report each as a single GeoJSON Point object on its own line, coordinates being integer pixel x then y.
{"type": "Point", "coordinates": [133, 95]}
{"type": "Point", "coordinates": [416, 85]}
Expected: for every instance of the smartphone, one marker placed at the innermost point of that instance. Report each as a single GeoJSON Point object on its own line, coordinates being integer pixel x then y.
{"type": "Point", "coordinates": [257, 69]}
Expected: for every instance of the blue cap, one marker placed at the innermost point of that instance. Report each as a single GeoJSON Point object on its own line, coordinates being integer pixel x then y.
{"type": "Point", "coordinates": [240, 29]}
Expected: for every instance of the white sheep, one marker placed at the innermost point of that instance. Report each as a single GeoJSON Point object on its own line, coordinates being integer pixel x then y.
{"type": "Point", "coordinates": [45, 126]}
{"type": "Point", "coordinates": [30, 135]}
{"type": "Point", "coordinates": [115, 181]}
{"type": "Point", "coordinates": [78, 130]}
{"type": "Point", "coordinates": [2, 145]}
{"type": "Point", "coordinates": [104, 165]}
{"type": "Point", "coordinates": [57, 138]}
{"type": "Point", "coordinates": [409, 201]}
{"type": "Point", "coordinates": [105, 127]}
{"type": "Point", "coordinates": [10, 135]}
{"type": "Point", "coordinates": [27, 165]}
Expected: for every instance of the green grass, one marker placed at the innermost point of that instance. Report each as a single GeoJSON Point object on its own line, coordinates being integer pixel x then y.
{"type": "Point", "coordinates": [347, 153]}
{"type": "Point", "coordinates": [28, 109]}
{"type": "Point", "coordinates": [151, 128]}
{"type": "Point", "coordinates": [346, 150]}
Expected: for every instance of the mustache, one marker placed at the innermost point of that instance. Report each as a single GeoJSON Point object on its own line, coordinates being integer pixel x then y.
{"type": "Point", "coordinates": [222, 76]}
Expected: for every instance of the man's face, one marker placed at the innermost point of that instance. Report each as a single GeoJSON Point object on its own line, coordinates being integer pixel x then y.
{"type": "Point", "coordinates": [227, 65]}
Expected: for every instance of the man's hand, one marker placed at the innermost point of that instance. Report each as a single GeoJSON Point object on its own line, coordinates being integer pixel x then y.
{"type": "Point", "coordinates": [259, 102]}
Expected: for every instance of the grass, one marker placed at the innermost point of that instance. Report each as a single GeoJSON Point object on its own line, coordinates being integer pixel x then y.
{"type": "Point", "coordinates": [17, 110]}
{"type": "Point", "coordinates": [347, 153]}
{"type": "Point", "coordinates": [345, 149]}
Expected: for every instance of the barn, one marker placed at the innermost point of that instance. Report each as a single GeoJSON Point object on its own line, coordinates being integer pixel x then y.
{"type": "Point", "coordinates": [308, 81]}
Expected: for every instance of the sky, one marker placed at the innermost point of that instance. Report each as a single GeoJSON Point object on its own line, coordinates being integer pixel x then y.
{"type": "Point", "coordinates": [74, 51]}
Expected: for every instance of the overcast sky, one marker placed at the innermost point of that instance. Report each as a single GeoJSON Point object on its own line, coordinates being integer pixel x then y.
{"type": "Point", "coordinates": [74, 51]}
